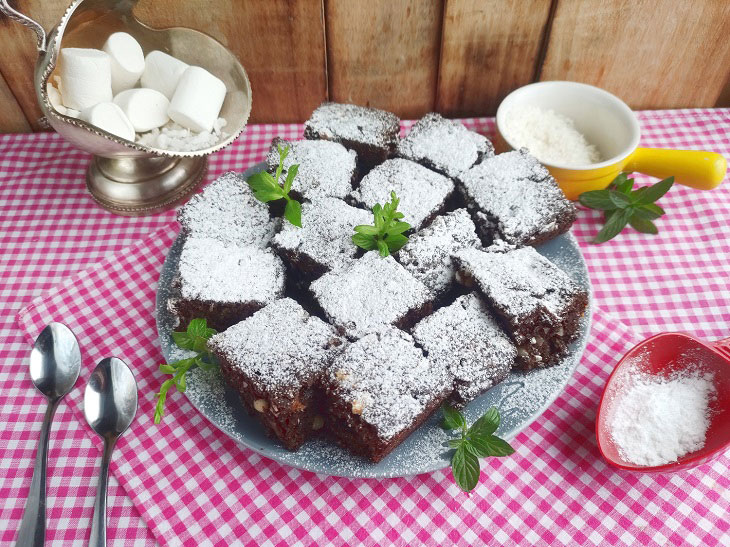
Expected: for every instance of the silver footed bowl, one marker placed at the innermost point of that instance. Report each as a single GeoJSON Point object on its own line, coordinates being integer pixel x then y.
{"type": "Point", "coordinates": [125, 177]}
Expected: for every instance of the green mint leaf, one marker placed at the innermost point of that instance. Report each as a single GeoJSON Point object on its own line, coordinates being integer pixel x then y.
{"type": "Point", "coordinates": [465, 468]}
{"type": "Point", "coordinates": [167, 369]}
{"type": "Point", "coordinates": [654, 192]}
{"type": "Point", "coordinates": [455, 443]}
{"type": "Point", "coordinates": [648, 212]}
{"type": "Point", "coordinates": [183, 340]}
{"type": "Point", "coordinates": [620, 200]}
{"type": "Point", "coordinates": [453, 419]}
{"type": "Point", "coordinates": [364, 241]}
{"type": "Point", "coordinates": [382, 248]}
{"type": "Point", "coordinates": [290, 174]}
{"type": "Point", "coordinates": [486, 425]}
{"type": "Point", "coordinates": [366, 230]}
{"type": "Point", "coordinates": [620, 179]}
{"type": "Point", "coordinates": [653, 207]}
{"type": "Point", "coordinates": [293, 212]}
{"type": "Point", "coordinates": [398, 227]}
{"type": "Point", "coordinates": [395, 242]}
{"type": "Point", "coordinates": [262, 181]}
{"type": "Point", "coordinates": [643, 225]}
{"type": "Point", "coordinates": [614, 225]}
{"type": "Point", "coordinates": [266, 195]}
{"type": "Point", "coordinates": [283, 152]}
{"type": "Point", "coordinates": [492, 446]}
{"type": "Point", "coordinates": [597, 199]}
{"type": "Point", "coordinates": [625, 185]}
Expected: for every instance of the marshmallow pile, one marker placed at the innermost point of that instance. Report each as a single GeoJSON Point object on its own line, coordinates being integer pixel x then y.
{"type": "Point", "coordinates": [175, 107]}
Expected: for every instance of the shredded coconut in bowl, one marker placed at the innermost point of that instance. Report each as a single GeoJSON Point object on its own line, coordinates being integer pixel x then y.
{"type": "Point", "coordinates": [551, 137]}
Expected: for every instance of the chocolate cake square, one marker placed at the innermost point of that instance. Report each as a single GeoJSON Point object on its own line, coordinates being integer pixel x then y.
{"type": "Point", "coordinates": [325, 168]}
{"type": "Point", "coordinates": [324, 242]}
{"type": "Point", "coordinates": [513, 198]}
{"type": "Point", "coordinates": [446, 146]}
{"type": "Point", "coordinates": [227, 210]}
{"type": "Point", "coordinates": [538, 304]}
{"type": "Point", "coordinates": [427, 255]}
{"type": "Point", "coordinates": [370, 132]}
{"type": "Point", "coordinates": [275, 360]}
{"type": "Point", "coordinates": [224, 283]}
{"type": "Point", "coordinates": [466, 338]}
{"type": "Point", "coordinates": [381, 388]}
{"type": "Point", "coordinates": [370, 293]}
{"type": "Point", "coordinates": [422, 192]}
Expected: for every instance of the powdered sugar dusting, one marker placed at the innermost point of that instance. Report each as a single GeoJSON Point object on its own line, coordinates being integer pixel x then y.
{"type": "Point", "coordinates": [326, 233]}
{"type": "Point", "coordinates": [389, 379]}
{"type": "Point", "coordinates": [280, 345]}
{"type": "Point", "coordinates": [211, 270]}
{"type": "Point", "coordinates": [325, 168]}
{"type": "Point", "coordinates": [466, 338]}
{"type": "Point", "coordinates": [226, 210]}
{"type": "Point", "coordinates": [337, 122]}
{"type": "Point", "coordinates": [445, 145]}
{"type": "Point", "coordinates": [370, 293]}
{"type": "Point", "coordinates": [427, 255]}
{"type": "Point", "coordinates": [517, 193]}
{"type": "Point", "coordinates": [422, 192]}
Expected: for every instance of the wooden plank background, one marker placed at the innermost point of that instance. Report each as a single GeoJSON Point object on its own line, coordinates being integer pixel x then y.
{"type": "Point", "coordinates": [459, 57]}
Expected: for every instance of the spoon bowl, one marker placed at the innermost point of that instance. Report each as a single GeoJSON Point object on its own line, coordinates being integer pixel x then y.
{"type": "Point", "coordinates": [663, 355]}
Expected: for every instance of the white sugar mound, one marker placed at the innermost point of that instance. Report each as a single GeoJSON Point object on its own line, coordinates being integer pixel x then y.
{"type": "Point", "coordinates": [658, 420]}
{"type": "Point", "coordinates": [550, 137]}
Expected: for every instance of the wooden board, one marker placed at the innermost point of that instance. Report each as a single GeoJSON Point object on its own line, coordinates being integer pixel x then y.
{"type": "Point", "coordinates": [651, 53]}
{"type": "Point", "coordinates": [384, 53]}
{"type": "Point", "coordinates": [12, 119]}
{"type": "Point", "coordinates": [489, 48]}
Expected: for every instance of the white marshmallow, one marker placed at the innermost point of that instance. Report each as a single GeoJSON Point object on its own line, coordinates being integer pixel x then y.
{"type": "Point", "coordinates": [110, 118]}
{"type": "Point", "coordinates": [197, 100]}
{"type": "Point", "coordinates": [162, 72]}
{"type": "Point", "coordinates": [54, 97]}
{"type": "Point", "coordinates": [127, 60]}
{"type": "Point", "coordinates": [86, 77]}
{"type": "Point", "coordinates": [145, 108]}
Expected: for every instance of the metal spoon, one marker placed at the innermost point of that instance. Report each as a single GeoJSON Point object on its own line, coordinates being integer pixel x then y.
{"type": "Point", "coordinates": [110, 403]}
{"type": "Point", "coordinates": [55, 362]}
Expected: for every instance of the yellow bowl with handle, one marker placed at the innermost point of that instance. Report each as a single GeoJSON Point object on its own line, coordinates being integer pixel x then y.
{"type": "Point", "coordinates": [609, 124]}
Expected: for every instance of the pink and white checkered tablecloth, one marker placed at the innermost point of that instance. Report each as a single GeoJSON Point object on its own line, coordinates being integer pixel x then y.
{"type": "Point", "coordinates": [184, 483]}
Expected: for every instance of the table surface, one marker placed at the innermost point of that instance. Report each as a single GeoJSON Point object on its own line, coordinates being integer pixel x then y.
{"type": "Point", "coordinates": [554, 490]}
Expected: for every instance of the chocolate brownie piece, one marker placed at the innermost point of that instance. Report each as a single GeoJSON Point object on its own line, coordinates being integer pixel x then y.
{"type": "Point", "coordinates": [466, 338]}
{"type": "Point", "coordinates": [538, 304]}
{"type": "Point", "coordinates": [226, 210]}
{"type": "Point", "coordinates": [381, 388]}
{"type": "Point", "coordinates": [275, 360]}
{"type": "Point", "coordinates": [224, 283]}
{"type": "Point", "coordinates": [324, 242]}
{"type": "Point", "coordinates": [422, 192]}
{"type": "Point", "coordinates": [370, 132]}
{"type": "Point", "coordinates": [325, 168]}
{"type": "Point", "coordinates": [514, 198]}
{"type": "Point", "coordinates": [427, 255]}
{"type": "Point", "coordinates": [444, 145]}
{"type": "Point", "coordinates": [370, 293]}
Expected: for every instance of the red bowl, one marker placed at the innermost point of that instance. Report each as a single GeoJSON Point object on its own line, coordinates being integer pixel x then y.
{"type": "Point", "coordinates": [659, 356]}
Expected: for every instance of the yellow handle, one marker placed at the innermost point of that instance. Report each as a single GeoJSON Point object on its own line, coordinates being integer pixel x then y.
{"type": "Point", "coordinates": [695, 168]}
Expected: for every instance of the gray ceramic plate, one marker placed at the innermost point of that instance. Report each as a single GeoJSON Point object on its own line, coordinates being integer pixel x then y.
{"type": "Point", "coordinates": [521, 398]}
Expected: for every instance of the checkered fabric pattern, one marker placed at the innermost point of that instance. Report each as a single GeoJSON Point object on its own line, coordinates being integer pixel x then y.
{"type": "Point", "coordinates": [184, 483]}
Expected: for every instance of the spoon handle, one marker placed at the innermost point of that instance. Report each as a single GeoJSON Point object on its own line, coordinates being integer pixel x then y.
{"type": "Point", "coordinates": [98, 521]}
{"type": "Point", "coordinates": [32, 531]}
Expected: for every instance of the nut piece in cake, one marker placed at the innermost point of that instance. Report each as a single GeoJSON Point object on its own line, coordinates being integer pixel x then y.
{"type": "Point", "coordinates": [325, 168]}
{"type": "Point", "coordinates": [370, 132]}
{"type": "Point", "coordinates": [538, 304]}
{"type": "Point", "coordinates": [427, 255]}
{"type": "Point", "coordinates": [224, 283]}
{"type": "Point", "coordinates": [324, 242]}
{"type": "Point", "coordinates": [370, 293]}
{"type": "Point", "coordinates": [275, 360]}
{"type": "Point", "coordinates": [226, 210]}
{"type": "Point", "coordinates": [444, 145]}
{"type": "Point", "coordinates": [466, 338]}
{"type": "Point", "coordinates": [514, 198]}
{"type": "Point", "coordinates": [422, 192]}
{"type": "Point", "coordinates": [381, 388]}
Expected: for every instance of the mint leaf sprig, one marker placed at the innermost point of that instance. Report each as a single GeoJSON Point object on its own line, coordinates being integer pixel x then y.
{"type": "Point", "coordinates": [195, 339]}
{"type": "Point", "coordinates": [477, 441]}
{"type": "Point", "coordinates": [267, 188]}
{"type": "Point", "coordinates": [386, 232]}
{"type": "Point", "coordinates": [621, 205]}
